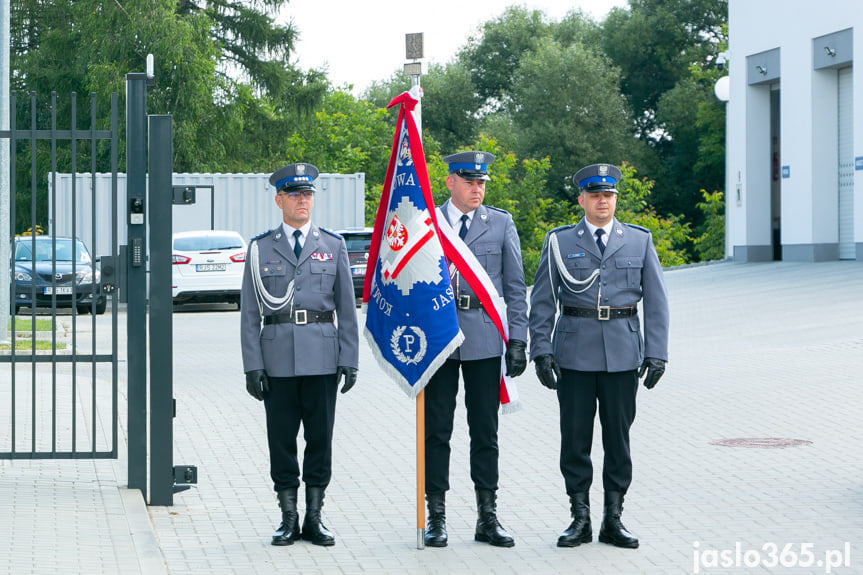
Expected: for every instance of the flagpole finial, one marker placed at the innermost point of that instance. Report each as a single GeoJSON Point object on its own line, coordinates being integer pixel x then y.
{"type": "Point", "coordinates": [414, 52]}
{"type": "Point", "coordinates": [414, 46]}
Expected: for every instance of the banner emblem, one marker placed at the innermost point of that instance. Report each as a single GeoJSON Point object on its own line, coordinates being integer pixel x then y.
{"type": "Point", "coordinates": [415, 344]}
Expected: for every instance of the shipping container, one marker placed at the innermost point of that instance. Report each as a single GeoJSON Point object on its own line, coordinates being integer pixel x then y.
{"type": "Point", "coordinates": [241, 202]}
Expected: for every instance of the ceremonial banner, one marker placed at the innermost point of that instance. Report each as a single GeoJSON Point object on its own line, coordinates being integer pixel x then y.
{"type": "Point", "coordinates": [411, 321]}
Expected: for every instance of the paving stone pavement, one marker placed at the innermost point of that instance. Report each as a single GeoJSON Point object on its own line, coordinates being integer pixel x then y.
{"type": "Point", "coordinates": [770, 350]}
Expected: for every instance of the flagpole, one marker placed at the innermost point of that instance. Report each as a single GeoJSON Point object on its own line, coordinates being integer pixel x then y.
{"type": "Point", "coordinates": [421, 469]}
{"type": "Point", "coordinates": [414, 51]}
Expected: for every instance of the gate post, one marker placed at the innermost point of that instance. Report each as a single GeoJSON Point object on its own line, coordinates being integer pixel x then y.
{"type": "Point", "coordinates": [136, 282]}
{"type": "Point", "coordinates": [161, 310]}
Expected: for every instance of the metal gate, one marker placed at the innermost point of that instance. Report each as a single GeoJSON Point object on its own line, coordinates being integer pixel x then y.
{"type": "Point", "coordinates": [58, 395]}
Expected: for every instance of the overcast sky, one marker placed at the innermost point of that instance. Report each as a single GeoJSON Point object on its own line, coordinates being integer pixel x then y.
{"type": "Point", "coordinates": [362, 41]}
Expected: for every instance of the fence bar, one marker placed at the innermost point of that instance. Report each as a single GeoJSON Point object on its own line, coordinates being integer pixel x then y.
{"type": "Point", "coordinates": [53, 193]}
{"type": "Point", "coordinates": [73, 157]}
{"type": "Point", "coordinates": [115, 259]}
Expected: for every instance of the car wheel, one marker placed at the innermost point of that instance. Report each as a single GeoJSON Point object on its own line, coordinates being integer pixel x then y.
{"type": "Point", "coordinates": [101, 306]}
{"type": "Point", "coordinates": [83, 309]}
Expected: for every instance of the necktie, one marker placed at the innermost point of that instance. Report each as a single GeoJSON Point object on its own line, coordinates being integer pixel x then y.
{"type": "Point", "coordinates": [599, 242]}
{"type": "Point", "coordinates": [463, 231]}
{"type": "Point", "coordinates": [297, 247]}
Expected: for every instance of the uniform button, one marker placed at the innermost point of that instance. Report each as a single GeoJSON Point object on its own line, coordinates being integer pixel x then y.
{"type": "Point", "coordinates": [603, 266]}
{"type": "Point", "coordinates": [604, 282]}
{"type": "Point", "coordinates": [299, 272]}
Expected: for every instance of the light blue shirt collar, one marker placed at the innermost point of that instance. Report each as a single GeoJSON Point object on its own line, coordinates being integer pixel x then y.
{"type": "Point", "coordinates": [455, 215]}
{"type": "Point", "coordinates": [289, 231]}
{"type": "Point", "coordinates": [607, 227]}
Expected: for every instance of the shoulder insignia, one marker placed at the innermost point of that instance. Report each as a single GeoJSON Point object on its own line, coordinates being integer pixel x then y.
{"type": "Point", "coordinates": [498, 210]}
{"type": "Point", "coordinates": [330, 232]}
{"type": "Point", "coordinates": [638, 228]}
{"type": "Point", "coordinates": [561, 228]}
{"type": "Point", "coordinates": [261, 235]}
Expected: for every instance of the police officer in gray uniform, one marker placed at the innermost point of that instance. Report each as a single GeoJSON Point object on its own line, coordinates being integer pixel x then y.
{"type": "Point", "coordinates": [595, 273]}
{"type": "Point", "coordinates": [490, 233]}
{"type": "Point", "coordinates": [299, 337]}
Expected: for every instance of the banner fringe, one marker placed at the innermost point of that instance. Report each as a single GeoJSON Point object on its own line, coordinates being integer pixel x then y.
{"type": "Point", "coordinates": [401, 381]}
{"type": "Point", "coordinates": [510, 407]}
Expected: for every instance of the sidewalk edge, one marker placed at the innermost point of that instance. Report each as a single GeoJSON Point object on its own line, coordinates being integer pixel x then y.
{"type": "Point", "coordinates": [143, 535]}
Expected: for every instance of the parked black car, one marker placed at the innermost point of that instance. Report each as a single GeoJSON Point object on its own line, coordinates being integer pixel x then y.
{"type": "Point", "coordinates": [358, 241]}
{"type": "Point", "coordinates": [62, 271]}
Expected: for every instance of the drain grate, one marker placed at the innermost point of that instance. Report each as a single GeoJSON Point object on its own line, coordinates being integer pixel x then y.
{"type": "Point", "coordinates": [760, 442]}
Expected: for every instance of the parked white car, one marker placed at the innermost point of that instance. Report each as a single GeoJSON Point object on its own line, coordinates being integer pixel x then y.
{"type": "Point", "coordinates": [207, 266]}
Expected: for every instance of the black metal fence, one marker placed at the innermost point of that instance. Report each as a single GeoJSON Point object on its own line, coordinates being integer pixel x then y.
{"type": "Point", "coordinates": [59, 396]}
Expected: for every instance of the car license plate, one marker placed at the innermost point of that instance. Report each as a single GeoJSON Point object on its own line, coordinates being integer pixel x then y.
{"type": "Point", "coordinates": [63, 290]}
{"type": "Point", "coordinates": [211, 267]}
{"type": "Point", "coordinates": [358, 270]}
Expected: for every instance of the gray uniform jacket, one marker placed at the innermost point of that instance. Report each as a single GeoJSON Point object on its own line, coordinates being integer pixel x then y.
{"type": "Point", "coordinates": [322, 282]}
{"type": "Point", "coordinates": [493, 239]}
{"type": "Point", "coordinates": [629, 272]}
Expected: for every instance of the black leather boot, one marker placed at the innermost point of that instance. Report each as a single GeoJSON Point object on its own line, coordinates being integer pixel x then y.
{"type": "Point", "coordinates": [435, 535]}
{"type": "Point", "coordinates": [612, 530]}
{"type": "Point", "coordinates": [488, 528]}
{"type": "Point", "coordinates": [289, 530]}
{"type": "Point", "coordinates": [313, 529]}
{"type": "Point", "coordinates": [580, 530]}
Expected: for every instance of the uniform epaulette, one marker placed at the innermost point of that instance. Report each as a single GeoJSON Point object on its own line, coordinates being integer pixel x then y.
{"type": "Point", "coordinates": [638, 228]}
{"type": "Point", "coordinates": [332, 233]}
{"type": "Point", "coordinates": [501, 210]}
{"type": "Point", "coordinates": [566, 227]}
{"type": "Point", "coordinates": [261, 235]}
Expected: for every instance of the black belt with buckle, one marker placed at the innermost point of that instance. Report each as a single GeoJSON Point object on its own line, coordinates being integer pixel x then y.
{"type": "Point", "coordinates": [301, 317]}
{"type": "Point", "coordinates": [602, 312]}
{"type": "Point", "coordinates": [468, 302]}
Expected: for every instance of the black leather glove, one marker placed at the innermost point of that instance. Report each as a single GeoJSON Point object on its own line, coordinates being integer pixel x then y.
{"type": "Point", "coordinates": [257, 384]}
{"type": "Point", "coordinates": [547, 370]}
{"type": "Point", "coordinates": [654, 368]}
{"type": "Point", "coordinates": [350, 374]}
{"type": "Point", "coordinates": [516, 358]}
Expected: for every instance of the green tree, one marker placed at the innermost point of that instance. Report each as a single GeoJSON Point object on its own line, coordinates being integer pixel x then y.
{"type": "Point", "coordinates": [450, 105]}
{"type": "Point", "coordinates": [222, 65]}
{"type": "Point", "coordinates": [710, 245]}
{"type": "Point", "coordinates": [654, 42]}
{"type": "Point", "coordinates": [257, 50]}
{"type": "Point", "coordinates": [493, 56]}
{"type": "Point", "coordinates": [344, 136]}
{"type": "Point", "coordinates": [567, 106]}
{"type": "Point", "coordinates": [666, 50]}
{"type": "Point", "coordinates": [671, 234]}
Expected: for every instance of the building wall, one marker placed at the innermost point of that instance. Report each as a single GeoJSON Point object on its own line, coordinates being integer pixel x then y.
{"type": "Point", "coordinates": [808, 106]}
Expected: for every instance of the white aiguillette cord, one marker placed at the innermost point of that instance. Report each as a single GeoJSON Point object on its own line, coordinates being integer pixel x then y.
{"type": "Point", "coordinates": [265, 298]}
{"type": "Point", "coordinates": [574, 285]}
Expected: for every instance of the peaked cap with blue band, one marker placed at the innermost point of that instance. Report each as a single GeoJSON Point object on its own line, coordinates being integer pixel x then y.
{"type": "Point", "coordinates": [597, 178]}
{"type": "Point", "coordinates": [470, 165]}
{"type": "Point", "coordinates": [294, 177]}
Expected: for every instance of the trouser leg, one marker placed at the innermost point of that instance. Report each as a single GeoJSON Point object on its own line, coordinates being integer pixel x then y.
{"type": "Point", "coordinates": [440, 398]}
{"type": "Point", "coordinates": [482, 402]}
{"type": "Point", "coordinates": [319, 414]}
{"type": "Point", "coordinates": [283, 415]}
{"type": "Point", "coordinates": [576, 394]}
{"type": "Point", "coordinates": [616, 392]}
